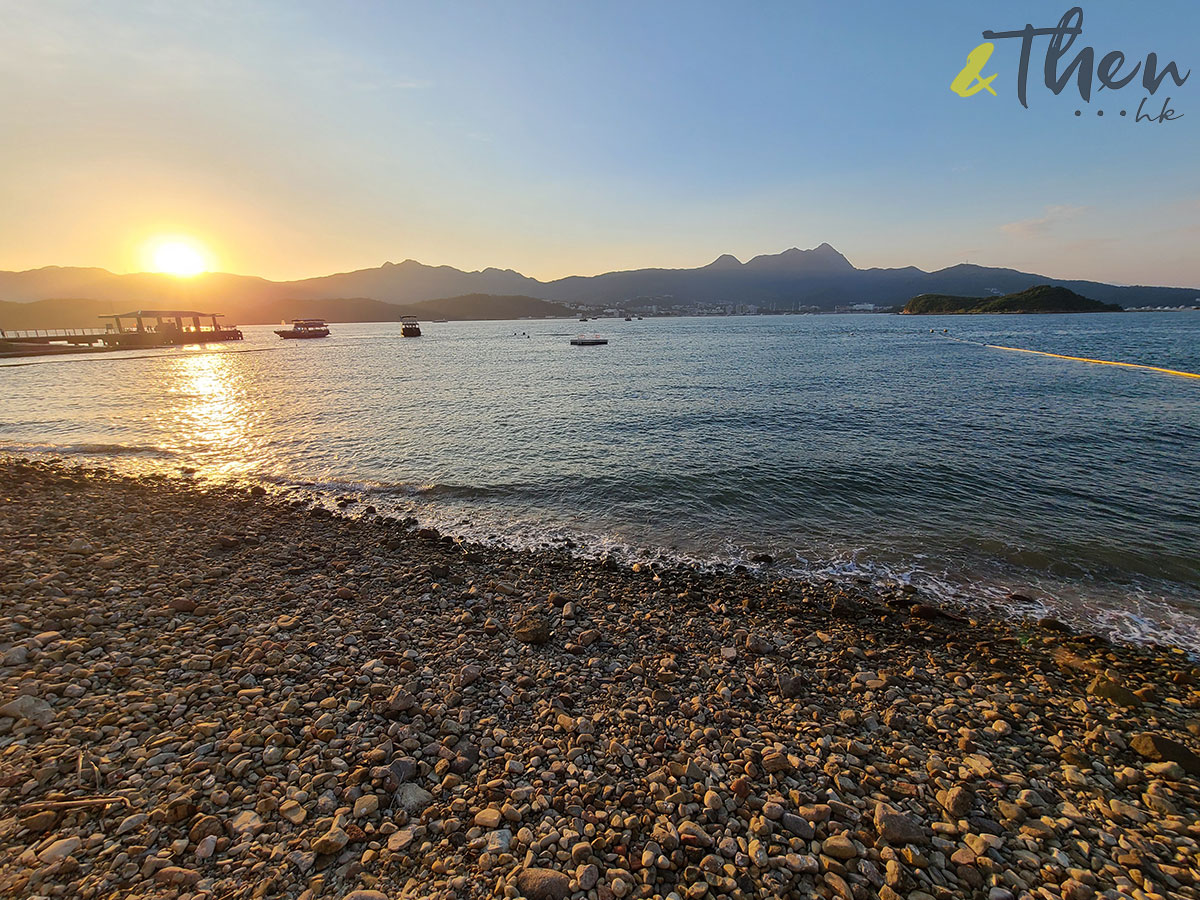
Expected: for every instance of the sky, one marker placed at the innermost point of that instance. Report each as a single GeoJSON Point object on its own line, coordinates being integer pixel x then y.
{"type": "Point", "coordinates": [294, 139]}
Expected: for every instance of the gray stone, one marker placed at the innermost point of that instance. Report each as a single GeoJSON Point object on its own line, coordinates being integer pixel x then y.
{"type": "Point", "coordinates": [412, 798]}
{"type": "Point", "coordinates": [29, 709]}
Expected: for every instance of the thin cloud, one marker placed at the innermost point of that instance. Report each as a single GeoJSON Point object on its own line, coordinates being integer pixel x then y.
{"type": "Point", "coordinates": [1051, 217]}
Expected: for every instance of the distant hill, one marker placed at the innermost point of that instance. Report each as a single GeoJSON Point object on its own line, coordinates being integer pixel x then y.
{"type": "Point", "coordinates": [821, 277]}
{"type": "Point", "coordinates": [58, 313]}
{"type": "Point", "coordinates": [81, 313]}
{"type": "Point", "coordinates": [1043, 298]}
{"type": "Point", "coordinates": [488, 306]}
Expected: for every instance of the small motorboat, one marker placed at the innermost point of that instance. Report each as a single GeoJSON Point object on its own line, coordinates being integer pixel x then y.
{"type": "Point", "coordinates": [409, 327]}
{"type": "Point", "coordinates": [628, 319]}
{"type": "Point", "coordinates": [584, 341]}
{"type": "Point", "coordinates": [304, 328]}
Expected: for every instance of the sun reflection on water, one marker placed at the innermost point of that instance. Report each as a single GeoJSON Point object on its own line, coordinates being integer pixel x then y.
{"type": "Point", "coordinates": [208, 401]}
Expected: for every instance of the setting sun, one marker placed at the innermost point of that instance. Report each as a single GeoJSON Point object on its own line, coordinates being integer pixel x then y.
{"type": "Point", "coordinates": [177, 256]}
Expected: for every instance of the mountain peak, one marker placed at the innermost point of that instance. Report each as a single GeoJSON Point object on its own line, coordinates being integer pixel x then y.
{"type": "Point", "coordinates": [821, 259]}
{"type": "Point", "coordinates": [725, 261]}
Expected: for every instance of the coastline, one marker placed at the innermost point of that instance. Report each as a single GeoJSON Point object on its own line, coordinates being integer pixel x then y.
{"type": "Point", "coordinates": [273, 695]}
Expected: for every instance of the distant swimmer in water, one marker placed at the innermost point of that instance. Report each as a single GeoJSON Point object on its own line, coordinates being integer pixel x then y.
{"type": "Point", "coordinates": [945, 331]}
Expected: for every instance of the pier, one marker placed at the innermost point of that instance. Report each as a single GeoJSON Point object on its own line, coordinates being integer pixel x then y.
{"type": "Point", "coordinates": [153, 328]}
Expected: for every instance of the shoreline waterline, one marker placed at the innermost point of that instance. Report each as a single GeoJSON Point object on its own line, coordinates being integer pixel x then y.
{"type": "Point", "coordinates": [1006, 603]}
{"type": "Point", "coordinates": [839, 446]}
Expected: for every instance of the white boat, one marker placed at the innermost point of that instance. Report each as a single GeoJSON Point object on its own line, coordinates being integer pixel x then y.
{"type": "Point", "coordinates": [305, 328]}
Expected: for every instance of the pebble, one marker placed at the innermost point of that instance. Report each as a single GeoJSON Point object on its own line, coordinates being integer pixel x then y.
{"type": "Point", "coordinates": [839, 846]}
{"type": "Point", "coordinates": [543, 884]}
{"type": "Point", "coordinates": [489, 818]}
{"type": "Point", "coordinates": [346, 708]}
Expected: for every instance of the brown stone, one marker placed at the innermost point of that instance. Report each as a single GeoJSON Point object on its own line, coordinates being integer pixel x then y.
{"type": "Point", "coordinates": [543, 884]}
{"type": "Point", "coordinates": [532, 629]}
{"type": "Point", "coordinates": [1163, 749]}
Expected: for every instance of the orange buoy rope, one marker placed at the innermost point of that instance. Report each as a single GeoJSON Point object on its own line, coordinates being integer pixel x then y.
{"type": "Point", "coordinates": [1101, 362]}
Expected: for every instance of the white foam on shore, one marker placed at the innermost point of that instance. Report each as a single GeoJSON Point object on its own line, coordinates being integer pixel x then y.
{"type": "Point", "coordinates": [1144, 618]}
{"type": "Point", "coordinates": [1135, 614]}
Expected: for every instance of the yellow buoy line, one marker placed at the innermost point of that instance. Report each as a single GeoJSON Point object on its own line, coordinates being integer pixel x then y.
{"type": "Point", "coordinates": [1087, 359]}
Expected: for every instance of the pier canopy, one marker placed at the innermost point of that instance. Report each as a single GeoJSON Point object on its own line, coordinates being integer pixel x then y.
{"type": "Point", "coordinates": [159, 315]}
{"type": "Point", "coordinates": [167, 327]}
{"type": "Point", "coordinates": [165, 314]}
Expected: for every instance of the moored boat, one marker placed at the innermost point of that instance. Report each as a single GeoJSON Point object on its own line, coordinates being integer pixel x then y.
{"type": "Point", "coordinates": [304, 328]}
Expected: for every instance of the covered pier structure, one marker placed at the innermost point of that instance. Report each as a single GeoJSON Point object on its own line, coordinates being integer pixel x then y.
{"type": "Point", "coordinates": [171, 327]}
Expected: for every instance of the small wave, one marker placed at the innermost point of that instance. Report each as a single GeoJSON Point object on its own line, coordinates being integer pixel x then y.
{"type": "Point", "coordinates": [448, 491]}
{"type": "Point", "coordinates": [517, 517]}
{"type": "Point", "coordinates": [88, 449]}
{"type": "Point", "coordinates": [1139, 615]}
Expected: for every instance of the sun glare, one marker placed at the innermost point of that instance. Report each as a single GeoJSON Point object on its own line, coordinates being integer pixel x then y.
{"type": "Point", "coordinates": [177, 256]}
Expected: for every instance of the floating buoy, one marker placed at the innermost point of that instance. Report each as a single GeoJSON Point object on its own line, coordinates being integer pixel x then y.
{"type": "Point", "coordinates": [1101, 362]}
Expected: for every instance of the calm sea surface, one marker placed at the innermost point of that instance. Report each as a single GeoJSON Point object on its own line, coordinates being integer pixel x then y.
{"type": "Point", "coordinates": [840, 445]}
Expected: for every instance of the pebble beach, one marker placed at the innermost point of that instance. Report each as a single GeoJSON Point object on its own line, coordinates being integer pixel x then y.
{"type": "Point", "coordinates": [215, 692]}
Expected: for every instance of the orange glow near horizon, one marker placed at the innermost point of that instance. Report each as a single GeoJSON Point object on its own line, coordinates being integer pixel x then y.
{"type": "Point", "coordinates": [179, 256]}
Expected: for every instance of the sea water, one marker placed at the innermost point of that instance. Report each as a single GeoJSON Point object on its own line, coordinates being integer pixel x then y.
{"type": "Point", "coordinates": [870, 446]}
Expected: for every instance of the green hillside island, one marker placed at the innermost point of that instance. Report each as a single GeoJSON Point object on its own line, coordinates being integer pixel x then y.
{"type": "Point", "coordinates": [1043, 298]}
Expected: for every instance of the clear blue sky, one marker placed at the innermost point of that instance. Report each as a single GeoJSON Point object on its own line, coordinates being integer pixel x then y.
{"type": "Point", "coordinates": [296, 139]}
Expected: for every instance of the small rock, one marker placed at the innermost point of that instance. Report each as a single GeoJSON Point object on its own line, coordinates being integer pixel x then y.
{"type": "Point", "coordinates": [59, 850]}
{"type": "Point", "coordinates": [246, 822]}
{"type": "Point", "coordinates": [177, 875]}
{"type": "Point", "coordinates": [1106, 689]}
{"type": "Point", "coordinates": [543, 884]}
{"type": "Point", "coordinates": [366, 805]}
{"type": "Point", "coordinates": [332, 841]}
{"type": "Point", "coordinates": [797, 825]}
{"type": "Point", "coordinates": [957, 801]}
{"type": "Point", "coordinates": [790, 686]}
{"type": "Point", "coordinates": [29, 709]}
{"type": "Point", "coordinates": [489, 818]}
{"type": "Point", "coordinates": [130, 823]}
{"type": "Point", "coordinates": [41, 822]}
{"type": "Point", "coordinates": [398, 840]}
{"type": "Point", "coordinates": [587, 876]}
{"type": "Point", "coordinates": [1163, 749]}
{"type": "Point", "coordinates": [839, 847]}
{"type": "Point", "coordinates": [499, 841]}
{"type": "Point", "coordinates": [413, 798]}
{"type": "Point", "coordinates": [205, 826]}
{"type": "Point", "coordinates": [897, 828]}
{"type": "Point", "coordinates": [532, 629]}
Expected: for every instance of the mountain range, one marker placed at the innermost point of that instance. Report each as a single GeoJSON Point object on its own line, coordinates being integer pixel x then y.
{"type": "Point", "coordinates": [821, 277]}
